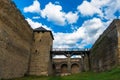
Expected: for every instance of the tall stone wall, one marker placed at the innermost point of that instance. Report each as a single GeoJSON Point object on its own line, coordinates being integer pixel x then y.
{"type": "Point", "coordinates": [40, 57]}
{"type": "Point", "coordinates": [15, 41]}
{"type": "Point", "coordinates": [118, 34]}
{"type": "Point", "coordinates": [104, 54]}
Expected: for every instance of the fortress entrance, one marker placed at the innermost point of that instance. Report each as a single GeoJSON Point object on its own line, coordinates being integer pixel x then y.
{"type": "Point", "coordinates": [70, 64]}
{"type": "Point", "coordinates": [64, 68]}
{"type": "Point", "coordinates": [75, 68]}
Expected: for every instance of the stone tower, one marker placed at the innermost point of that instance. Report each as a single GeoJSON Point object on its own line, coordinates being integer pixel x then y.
{"type": "Point", "coordinates": [40, 57]}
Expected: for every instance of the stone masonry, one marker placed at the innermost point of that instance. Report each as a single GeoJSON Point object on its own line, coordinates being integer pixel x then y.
{"type": "Point", "coordinates": [15, 41]}
{"type": "Point", "coordinates": [105, 53]}
{"type": "Point", "coordinates": [61, 65]}
{"type": "Point", "coordinates": [22, 50]}
{"type": "Point", "coordinates": [41, 63]}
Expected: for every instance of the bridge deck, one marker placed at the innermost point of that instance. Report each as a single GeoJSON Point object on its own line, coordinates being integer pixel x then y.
{"type": "Point", "coordinates": [72, 51]}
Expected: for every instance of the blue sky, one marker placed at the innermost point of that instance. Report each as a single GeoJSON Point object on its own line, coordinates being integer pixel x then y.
{"type": "Point", "coordinates": [74, 23]}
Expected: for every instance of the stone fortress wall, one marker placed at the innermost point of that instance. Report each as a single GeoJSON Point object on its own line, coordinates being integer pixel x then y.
{"type": "Point", "coordinates": [15, 41]}
{"type": "Point", "coordinates": [105, 53]}
{"type": "Point", "coordinates": [27, 52]}
{"type": "Point", "coordinates": [22, 50]}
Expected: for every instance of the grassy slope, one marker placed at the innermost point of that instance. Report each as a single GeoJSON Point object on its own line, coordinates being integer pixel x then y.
{"type": "Point", "coordinates": [108, 75]}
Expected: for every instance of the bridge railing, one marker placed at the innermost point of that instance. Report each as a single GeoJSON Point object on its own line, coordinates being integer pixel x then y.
{"type": "Point", "coordinates": [70, 49]}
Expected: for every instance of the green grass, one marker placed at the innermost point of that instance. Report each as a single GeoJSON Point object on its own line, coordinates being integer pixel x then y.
{"type": "Point", "coordinates": [113, 74]}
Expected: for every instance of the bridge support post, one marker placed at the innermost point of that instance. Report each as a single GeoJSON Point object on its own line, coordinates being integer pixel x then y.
{"type": "Point", "coordinates": [89, 62]}
{"type": "Point", "coordinates": [82, 58]}
{"type": "Point", "coordinates": [69, 62]}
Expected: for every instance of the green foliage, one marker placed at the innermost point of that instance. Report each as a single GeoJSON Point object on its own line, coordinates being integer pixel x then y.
{"type": "Point", "coordinates": [113, 74]}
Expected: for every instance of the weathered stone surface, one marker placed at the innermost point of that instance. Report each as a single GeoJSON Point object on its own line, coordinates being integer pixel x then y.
{"type": "Point", "coordinates": [86, 63]}
{"type": "Point", "coordinates": [21, 51]}
{"type": "Point", "coordinates": [61, 65]}
{"type": "Point", "coordinates": [15, 41]}
{"type": "Point", "coordinates": [118, 34]}
{"type": "Point", "coordinates": [105, 52]}
{"type": "Point", "coordinates": [40, 57]}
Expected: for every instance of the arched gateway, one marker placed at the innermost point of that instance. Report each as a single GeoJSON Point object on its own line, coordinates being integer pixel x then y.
{"type": "Point", "coordinates": [70, 64]}
{"type": "Point", "coordinates": [64, 68]}
{"type": "Point", "coordinates": [75, 68]}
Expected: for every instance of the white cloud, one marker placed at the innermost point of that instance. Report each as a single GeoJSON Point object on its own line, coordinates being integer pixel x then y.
{"type": "Point", "coordinates": [104, 8]}
{"type": "Point", "coordinates": [34, 24]}
{"type": "Point", "coordinates": [54, 13]}
{"type": "Point", "coordinates": [58, 16]}
{"type": "Point", "coordinates": [107, 7]}
{"type": "Point", "coordinates": [87, 9]}
{"type": "Point", "coordinates": [72, 17]}
{"type": "Point", "coordinates": [92, 29]}
{"type": "Point", "coordinates": [85, 35]}
{"type": "Point", "coordinates": [35, 7]}
{"type": "Point", "coordinates": [99, 3]}
{"type": "Point", "coordinates": [112, 7]}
